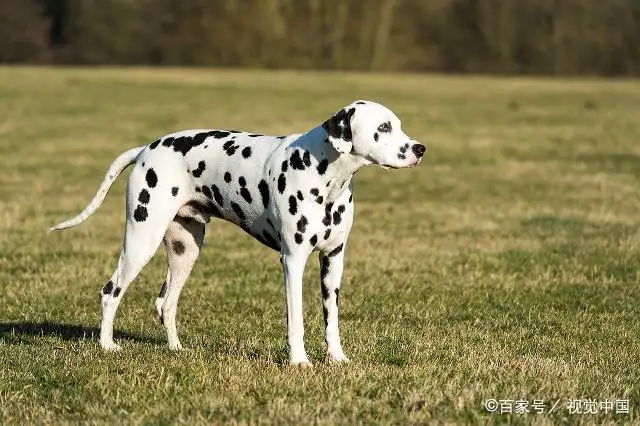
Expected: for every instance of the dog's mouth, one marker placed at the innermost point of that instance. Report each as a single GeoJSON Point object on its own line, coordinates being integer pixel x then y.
{"type": "Point", "coordinates": [388, 167]}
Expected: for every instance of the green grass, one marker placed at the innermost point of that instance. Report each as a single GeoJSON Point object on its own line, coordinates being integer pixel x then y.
{"type": "Point", "coordinates": [505, 266]}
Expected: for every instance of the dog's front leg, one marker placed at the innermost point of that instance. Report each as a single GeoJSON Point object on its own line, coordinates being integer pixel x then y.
{"type": "Point", "coordinates": [331, 266]}
{"type": "Point", "coordinates": [293, 265]}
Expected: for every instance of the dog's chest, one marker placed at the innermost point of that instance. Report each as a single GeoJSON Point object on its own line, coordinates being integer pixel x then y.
{"type": "Point", "coordinates": [309, 212]}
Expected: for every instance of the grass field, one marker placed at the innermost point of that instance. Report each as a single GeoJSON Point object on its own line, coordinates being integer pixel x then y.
{"type": "Point", "coordinates": [505, 266]}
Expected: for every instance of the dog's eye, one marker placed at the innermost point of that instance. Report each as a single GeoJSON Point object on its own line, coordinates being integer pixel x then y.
{"type": "Point", "coordinates": [384, 127]}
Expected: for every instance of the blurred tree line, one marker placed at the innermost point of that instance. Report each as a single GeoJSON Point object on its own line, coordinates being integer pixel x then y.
{"type": "Point", "coordinates": [487, 36]}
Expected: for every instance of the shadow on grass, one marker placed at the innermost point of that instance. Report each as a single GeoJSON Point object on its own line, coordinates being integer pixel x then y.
{"type": "Point", "coordinates": [24, 332]}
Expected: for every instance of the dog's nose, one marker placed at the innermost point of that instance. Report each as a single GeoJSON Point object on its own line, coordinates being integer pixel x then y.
{"type": "Point", "coordinates": [418, 149]}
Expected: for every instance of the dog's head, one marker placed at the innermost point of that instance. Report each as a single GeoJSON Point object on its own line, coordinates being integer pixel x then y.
{"type": "Point", "coordinates": [372, 131]}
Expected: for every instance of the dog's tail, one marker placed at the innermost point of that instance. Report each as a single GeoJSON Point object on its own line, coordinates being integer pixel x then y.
{"type": "Point", "coordinates": [123, 161]}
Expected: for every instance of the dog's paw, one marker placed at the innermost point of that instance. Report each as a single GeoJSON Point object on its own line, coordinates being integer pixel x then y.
{"type": "Point", "coordinates": [302, 363]}
{"type": "Point", "coordinates": [176, 347]}
{"type": "Point", "coordinates": [337, 358]}
{"type": "Point", "coordinates": [111, 347]}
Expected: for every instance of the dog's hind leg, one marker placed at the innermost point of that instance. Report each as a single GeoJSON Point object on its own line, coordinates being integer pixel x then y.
{"type": "Point", "coordinates": [150, 209]}
{"type": "Point", "coordinates": [182, 241]}
{"type": "Point", "coordinates": [134, 255]}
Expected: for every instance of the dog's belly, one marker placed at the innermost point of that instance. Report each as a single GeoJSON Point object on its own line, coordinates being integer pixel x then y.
{"type": "Point", "coordinates": [262, 228]}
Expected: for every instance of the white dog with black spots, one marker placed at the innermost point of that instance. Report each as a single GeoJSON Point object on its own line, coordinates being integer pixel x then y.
{"type": "Point", "coordinates": [292, 193]}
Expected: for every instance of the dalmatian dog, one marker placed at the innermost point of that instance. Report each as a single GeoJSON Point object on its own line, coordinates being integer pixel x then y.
{"type": "Point", "coordinates": [292, 193]}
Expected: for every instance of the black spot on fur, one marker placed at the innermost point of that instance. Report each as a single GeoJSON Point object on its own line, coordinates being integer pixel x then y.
{"type": "Point", "coordinates": [246, 152]}
{"type": "Point", "coordinates": [337, 292]}
{"type": "Point", "coordinates": [326, 221]}
{"type": "Point", "coordinates": [313, 240]}
{"type": "Point", "coordinates": [143, 164]}
{"type": "Point", "coordinates": [320, 199]}
{"type": "Point", "coordinates": [258, 237]}
{"type": "Point", "coordinates": [227, 177]}
{"type": "Point", "coordinates": [144, 196]}
{"type": "Point", "coordinates": [242, 181]}
{"type": "Point", "coordinates": [174, 191]}
{"type": "Point", "coordinates": [207, 192]}
{"type": "Point", "coordinates": [198, 189]}
{"type": "Point", "coordinates": [270, 241]}
{"type": "Point", "coordinates": [302, 224]}
{"type": "Point", "coordinates": [298, 238]}
{"type": "Point", "coordinates": [108, 287]}
{"type": "Point", "coordinates": [403, 149]}
{"type": "Point", "coordinates": [314, 192]}
{"type": "Point", "coordinates": [254, 136]}
{"type": "Point", "coordinates": [212, 210]}
{"type": "Point", "coordinates": [264, 193]}
{"type": "Point", "coordinates": [299, 195]}
{"type": "Point", "coordinates": [184, 144]}
{"type": "Point", "coordinates": [327, 233]}
{"type": "Point", "coordinates": [322, 166]}
{"type": "Point", "coordinates": [229, 147]}
{"type": "Point", "coordinates": [168, 141]}
{"type": "Point", "coordinates": [116, 292]}
{"type": "Point", "coordinates": [337, 218]}
{"type": "Point", "coordinates": [285, 166]}
{"type": "Point", "coordinates": [199, 138]}
{"type": "Point", "coordinates": [282, 183]}
{"type": "Point", "coordinates": [339, 126]}
{"type": "Point", "coordinates": [219, 134]}
{"type": "Point", "coordinates": [217, 195]}
{"type": "Point", "coordinates": [296, 160]}
{"type": "Point", "coordinates": [198, 172]}
{"type": "Point", "coordinates": [360, 103]}
{"type": "Point", "coordinates": [375, 136]}
{"type": "Point", "coordinates": [163, 290]}
{"type": "Point", "coordinates": [324, 271]}
{"type": "Point", "coordinates": [293, 205]}
{"type": "Point", "coordinates": [178, 247]}
{"type": "Point", "coordinates": [306, 159]}
{"type": "Point", "coordinates": [140, 214]}
{"type": "Point", "coordinates": [402, 156]}
{"type": "Point", "coordinates": [341, 208]}
{"type": "Point", "coordinates": [244, 192]}
{"type": "Point", "coordinates": [238, 211]}
{"type": "Point", "coordinates": [151, 178]}
{"type": "Point", "coordinates": [335, 251]}
{"type": "Point", "coordinates": [154, 144]}
{"type": "Point", "coordinates": [351, 198]}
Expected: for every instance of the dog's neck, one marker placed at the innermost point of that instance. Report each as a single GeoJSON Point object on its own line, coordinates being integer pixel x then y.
{"type": "Point", "coordinates": [340, 168]}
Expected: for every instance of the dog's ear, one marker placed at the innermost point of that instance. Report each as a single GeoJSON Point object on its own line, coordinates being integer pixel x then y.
{"type": "Point", "coordinates": [338, 129]}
